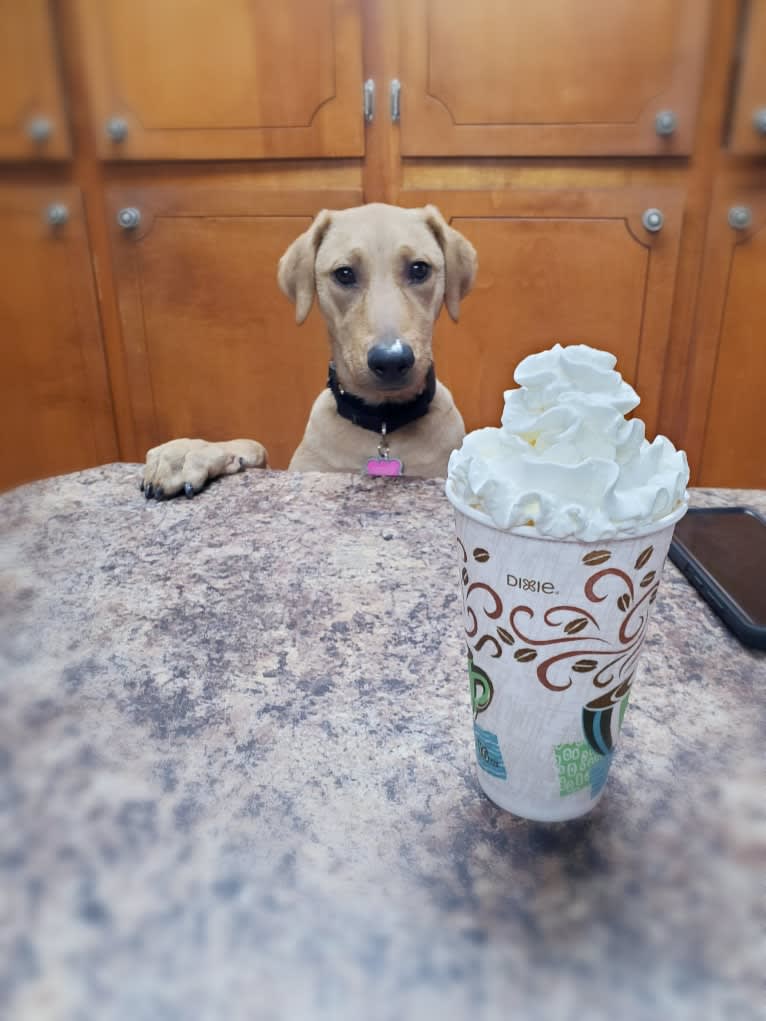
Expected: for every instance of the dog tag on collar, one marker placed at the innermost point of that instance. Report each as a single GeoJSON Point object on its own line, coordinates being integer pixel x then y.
{"type": "Point", "coordinates": [384, 466]}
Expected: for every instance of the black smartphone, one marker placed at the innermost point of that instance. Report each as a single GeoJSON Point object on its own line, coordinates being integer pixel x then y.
{"type": "Point", "coordinates": [722, 551]}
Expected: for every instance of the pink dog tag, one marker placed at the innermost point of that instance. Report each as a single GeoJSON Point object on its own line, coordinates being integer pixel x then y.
{"type": "Point", "coordinates": [384, 466]}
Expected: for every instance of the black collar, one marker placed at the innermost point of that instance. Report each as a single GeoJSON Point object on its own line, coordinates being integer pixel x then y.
{"type": "Point", "coordinates": [391, 414]}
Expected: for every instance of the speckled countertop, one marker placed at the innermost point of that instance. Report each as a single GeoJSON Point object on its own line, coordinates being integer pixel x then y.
{"type": "Point", "coordinates": [237, 778]}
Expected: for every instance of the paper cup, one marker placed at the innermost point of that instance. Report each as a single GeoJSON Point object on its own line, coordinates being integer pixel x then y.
{"type": "Point", "coordinates": [554, 630]}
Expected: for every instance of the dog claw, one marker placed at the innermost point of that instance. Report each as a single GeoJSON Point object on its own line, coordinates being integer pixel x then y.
{"type": "Point", "coordinates": [149, 491]}
{"type": "Point", "coordinates": [189, 490]}
{"type": "Point", "coordinates": [141, 486]}
{"type": "Point", "coordinates": [159, 493]}
{"type": "Point", "coordinates": [241, 463]}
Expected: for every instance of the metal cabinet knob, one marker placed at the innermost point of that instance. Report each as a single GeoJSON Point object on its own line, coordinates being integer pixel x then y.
{"type": "Point", "coordinates": [759, 120]}
{"type": "Point", "coordinates": [740, 217]}
{"type": "Point", "coordinates": [653, 220]}
{"type": "Point", "coordinates": [129, 218]}
{"type": "Point", "coordinates": [117, 129]}
{"type": "Point", "coordinates": [39, 129]}
{"type": "Point", "coordinates": [57, 214]}
{"type": "Point", "coordinates": [665, 122]}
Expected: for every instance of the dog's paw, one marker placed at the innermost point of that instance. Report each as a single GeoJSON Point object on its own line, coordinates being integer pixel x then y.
{"type": "Point", "coordinates": [186, 466]}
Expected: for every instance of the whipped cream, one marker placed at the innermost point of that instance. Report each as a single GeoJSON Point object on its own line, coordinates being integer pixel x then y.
{"type": "Point", "coordinates": [566, 463]}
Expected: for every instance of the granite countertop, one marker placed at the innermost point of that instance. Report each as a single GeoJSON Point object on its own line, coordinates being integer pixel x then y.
{"type": "Point", "coordinates": [237, 777]}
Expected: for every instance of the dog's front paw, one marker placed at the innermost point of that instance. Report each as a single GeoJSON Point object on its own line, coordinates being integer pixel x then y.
{"type": "Point", "coordinates": [186, 466]}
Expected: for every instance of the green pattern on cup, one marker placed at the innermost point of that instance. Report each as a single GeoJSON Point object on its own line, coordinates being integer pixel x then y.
{"type": "Point", "coordinates": [574, 761]}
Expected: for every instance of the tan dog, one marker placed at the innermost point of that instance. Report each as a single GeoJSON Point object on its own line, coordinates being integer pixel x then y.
{"type": "Point", "coordinates": [380, 274]}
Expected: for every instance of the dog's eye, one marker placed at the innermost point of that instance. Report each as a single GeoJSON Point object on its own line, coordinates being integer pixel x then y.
{"type": "Point", "coordinates": [345, 276]}
{"type": "Point", "coordinates": [418, 272]}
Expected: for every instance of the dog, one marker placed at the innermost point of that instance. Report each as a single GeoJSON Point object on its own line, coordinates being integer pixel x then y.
{"type": "Point", "coordinates": [381, 275]}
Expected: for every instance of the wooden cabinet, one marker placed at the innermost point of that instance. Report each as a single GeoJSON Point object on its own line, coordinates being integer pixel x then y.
{"type": "Point", "coordinates": [249, 79]}
{"type": "Point", "coordinates": [211, 344]}
{"type": "Point", "coordinates": [55, 414]}
{"type": "Point", "coordinates": [32, 119]}
{"type": "Point", "coordinates": [550, 78]}
{"type": "Point", "coordinates": [573, 267]}
{"type": "Point", "coordinates": [728, 426]}
{"type": "Point", "coordinates": [748, 134]}
{"type": "Point", "coordinates": [544, 131]}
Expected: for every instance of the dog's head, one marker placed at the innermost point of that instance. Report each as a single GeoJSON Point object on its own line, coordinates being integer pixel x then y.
{"type": "Point", "coordinates": [381, 274]}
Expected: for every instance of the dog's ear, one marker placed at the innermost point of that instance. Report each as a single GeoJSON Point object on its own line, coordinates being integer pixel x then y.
{"type": "Point", "coordinates": [460, 261]}
{"type": "Point", "coordinates": [296, 267]}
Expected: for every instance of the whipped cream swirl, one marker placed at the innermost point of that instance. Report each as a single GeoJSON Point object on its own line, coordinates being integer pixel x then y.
{"type": "Point", "coordinates": [566, 463]}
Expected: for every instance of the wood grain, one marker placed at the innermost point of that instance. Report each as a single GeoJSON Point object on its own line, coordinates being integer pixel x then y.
{"type": "Point", "coordinates": [527, 113]}
{"type": "Point", "coordinates": [570, 266]}
{"type": "Point", "coordinates": [265, 80]}
{"type": "Point", "coordinates": [29, 82]}
{"type": "Point", "coordinates": [727, 427]}
{"type": "Point", "coordinates": [543, 79]}
{"type": "Point", "coordinates": [751, 84]}
{"type": "Point", "coordinates": [382, 162]}
{"type": "Point", "coordinates": [55, 415]}
{"type": "Point", "coordinates": [700, 173]}
{"type": "Point", "coordinates": [211, 345]}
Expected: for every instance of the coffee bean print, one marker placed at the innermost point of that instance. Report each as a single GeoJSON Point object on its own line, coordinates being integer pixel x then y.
{"type": "Point", "coordinates": [647, 579]}
{"type": "Point", "coordinates": [584, 666]}
{"type": "Point", "coordinates": [596, 557]}
{"type": "Point", "coordinates": [464, 576]}
{"type": "Point", "coordinates": [575, 625]}
{"type": "Point", "coordinates": [624, 601]}
{"type": "Point", "coordinates": [505, 636]}
{"type": "Point", "coordinates": [480, 555]}
{"type": "Point", "coordinates": [525, 655]}
{"type": "Point", "coordinates": [644, 557]}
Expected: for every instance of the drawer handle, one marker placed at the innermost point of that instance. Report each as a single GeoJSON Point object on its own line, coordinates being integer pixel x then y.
{"type": "Point", "coordinates": [396, 100]}
{"type": "Point", "coordinates": [39, 129]}
{"type": "Point", "coordinates": [117, 129]}
{"type": "Point", "coordinates": [665, 123]}
{"type": "Point", "coordinates": [653, 220]}
{"type": "Point", "coordinates": [57, 214]}
{"type": "Point", "coordinates": [369, 100]}
{"type": "Point", "coordinates": [129, 218]}
{"type": "Point", "coordinates": [740, 217]}
{"type": "Point", "coordinates": [759, 120]}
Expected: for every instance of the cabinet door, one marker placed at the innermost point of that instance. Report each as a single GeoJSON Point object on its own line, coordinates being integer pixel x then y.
{"type": "Point", "coordinates": [566, 266]}
{"type": "Point", "coordinates": [211, 344]}
{"type": "Point", "coordinates": [727, 426]}
{"type": "Point", "coordinates": [32, 123]}
{"type": "Point", "coordinates": [550, 78]}
{"type": "Point", "coordinates": [200, 80]}
{"type": "Point", "coordinates": [56, 413]}
{"type": "Point", "coordinates": [749, 121]}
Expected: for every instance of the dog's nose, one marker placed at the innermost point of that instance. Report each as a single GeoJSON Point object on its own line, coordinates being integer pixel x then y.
{"type": "Point", "coordinates": [391, 361]}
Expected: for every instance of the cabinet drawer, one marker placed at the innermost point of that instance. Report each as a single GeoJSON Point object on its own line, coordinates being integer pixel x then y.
{"type": "Point", "coordinates": [201, 80]}
{"type": "Point", "coordinates": [551, 78]}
